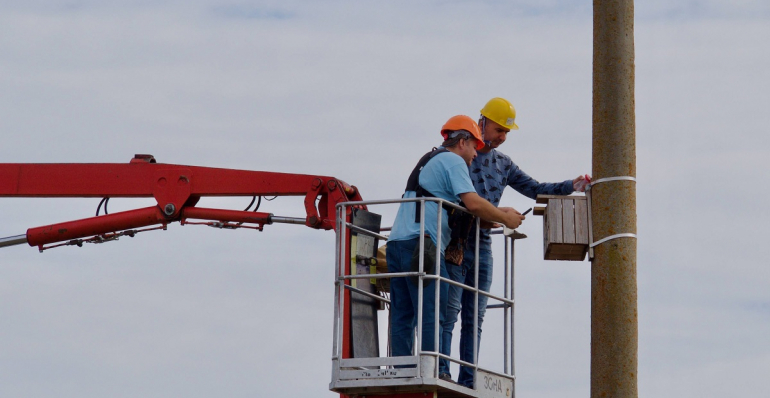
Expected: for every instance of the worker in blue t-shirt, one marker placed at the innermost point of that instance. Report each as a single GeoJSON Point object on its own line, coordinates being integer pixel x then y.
{"type": "Point", "coordinates": [491, 171]}
{"type": "Point", "coordinates": [444, 175]}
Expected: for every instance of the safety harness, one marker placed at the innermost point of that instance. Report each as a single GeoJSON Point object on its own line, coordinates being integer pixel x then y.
{"type": "Point", "coordinates": [459, 221]}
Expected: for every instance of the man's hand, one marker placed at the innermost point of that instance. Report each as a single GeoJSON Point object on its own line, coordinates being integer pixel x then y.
{"type": "Point", "coordinates": [580, 183]}
{"type": "Point", "coordinates": [481, 208]}
{"type": "Point", "coordinates": [489, 224]}
{"type": "Point", "coordinates": [512, 217]}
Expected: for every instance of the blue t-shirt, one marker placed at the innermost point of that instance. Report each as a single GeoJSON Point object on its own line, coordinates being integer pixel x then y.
{"type": "Point", "coordinates": [445, 176]}
{"type": "Point", "coordinates": [491, 172]}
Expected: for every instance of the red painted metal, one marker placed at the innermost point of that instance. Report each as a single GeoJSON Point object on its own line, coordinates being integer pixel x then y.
{"type": "Point", "coordinates": [226, 215]}
{"type": "Point", "coordinates": [171, 184]}
{"type": "Point", "coordinates": [95, 226]}
{"type": "Point", "coordinates": [347, 324]}
{"type": "Point", "coordinates": [176, 188]}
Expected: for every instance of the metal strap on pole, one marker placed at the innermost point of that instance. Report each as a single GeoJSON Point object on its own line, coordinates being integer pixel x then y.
{"type": "Point", "coordinates": [611, 237]}
{"type": "Point", "coordinates": [590, 220]}
{"type": "Point", "coordinates": [619, 178]}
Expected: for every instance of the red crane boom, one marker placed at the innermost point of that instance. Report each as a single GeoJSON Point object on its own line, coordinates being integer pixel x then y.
{"type": "Point", "coordinates": [176, 188]}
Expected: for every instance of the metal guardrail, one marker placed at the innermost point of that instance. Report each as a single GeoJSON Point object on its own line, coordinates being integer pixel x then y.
{"type": "Point", "coordinates": [381, 374]}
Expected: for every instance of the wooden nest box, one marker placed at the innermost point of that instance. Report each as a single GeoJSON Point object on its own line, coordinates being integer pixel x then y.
{"type": "Point", "coordinates": [565, 227]}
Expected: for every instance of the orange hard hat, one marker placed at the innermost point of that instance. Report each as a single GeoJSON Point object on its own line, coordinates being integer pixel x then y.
{"type": "Point", "coordinates": [462, 122]}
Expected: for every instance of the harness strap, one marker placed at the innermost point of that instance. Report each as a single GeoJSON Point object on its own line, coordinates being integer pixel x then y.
{"type": "Point", "coordinates": [413, 183]}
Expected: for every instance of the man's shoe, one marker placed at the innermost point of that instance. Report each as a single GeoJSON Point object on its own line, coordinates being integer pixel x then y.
{"type": "Point", "coordinates": [446, 377]}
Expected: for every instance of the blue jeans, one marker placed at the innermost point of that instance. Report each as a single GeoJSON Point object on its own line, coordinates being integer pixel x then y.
{"type": "Point", "coordinates": [403, 301]}
{"type": "Point", "coordinates": [463, 301]}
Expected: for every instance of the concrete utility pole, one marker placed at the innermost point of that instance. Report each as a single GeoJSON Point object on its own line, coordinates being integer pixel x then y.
{"type": "Point", "coordinates": [614, 328]}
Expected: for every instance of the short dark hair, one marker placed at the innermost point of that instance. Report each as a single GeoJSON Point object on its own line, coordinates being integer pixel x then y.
{"type": "Point", "coordinates": [453, 137]}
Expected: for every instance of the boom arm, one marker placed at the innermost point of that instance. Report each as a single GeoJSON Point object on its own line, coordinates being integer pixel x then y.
{"type": "Point", "coordinates": [176, 188]}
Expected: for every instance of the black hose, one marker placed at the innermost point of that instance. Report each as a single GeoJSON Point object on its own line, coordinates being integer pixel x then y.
{"type": "Point", "coordinates": [99, 208]}
{"type": "Point", "coordinates": [253, 198]}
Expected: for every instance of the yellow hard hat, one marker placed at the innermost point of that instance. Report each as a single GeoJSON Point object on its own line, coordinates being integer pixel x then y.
{"type": "Point", "coordinates": [500, 111]}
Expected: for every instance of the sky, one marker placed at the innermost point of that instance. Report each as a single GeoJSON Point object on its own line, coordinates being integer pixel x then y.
{"type": "Point", "coordinates": [358, 90]}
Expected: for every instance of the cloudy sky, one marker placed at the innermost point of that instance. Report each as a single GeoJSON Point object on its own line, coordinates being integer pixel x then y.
{"type": "Point", "coordinates": [358, 90]}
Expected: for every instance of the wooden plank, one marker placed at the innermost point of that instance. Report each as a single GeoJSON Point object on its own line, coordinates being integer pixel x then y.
{"type": "Point", "coordinates": [545, 235]}
{"type": "Point", "coordinates": [554, 221]}
{"type": "Point", "coordinates": [568, 220]}
{"type": "Point", "coordinates": [539, 211]}
{"type": "Point", "coordinates": [567, 252]}
{"type": "Point", "coordinates": [581, 222]}
{"type": "Point", "coordinates": [542, 199]}
{"type": "Point", "coordinates": [565, 222]}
